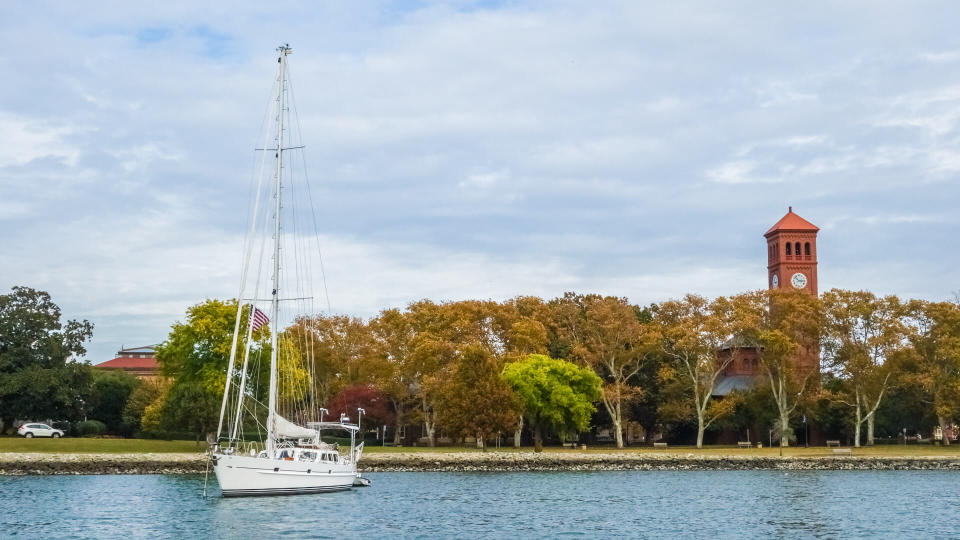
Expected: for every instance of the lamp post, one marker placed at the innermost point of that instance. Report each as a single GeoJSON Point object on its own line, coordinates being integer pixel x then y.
{"type": "Point", "coordinates": [360, 413]}
{"type": "Point", "coordinates": [806, 432]}
{"type": "Point", "coordinates": [322, 412]}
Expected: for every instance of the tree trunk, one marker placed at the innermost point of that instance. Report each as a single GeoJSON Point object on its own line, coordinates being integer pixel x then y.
{"type": "Point", "coordinates": [431, 434]}
{"type": "Point", "coordinates": [857, 422]}
{"type": "Point", "coordinates": [700, 429]}
{"type": "Point", "coordinates": [943, 429]}
{"type": "Point", "coordinates": [613, 408]}
{"type": "Point", "coordinates": [518, 433]}
{"type": "Point", "coordinates": [429, 425]}
{"type": "Point", "coordinates": [618, 429]}
{"type": "Point", "coordinates": [537, 439]}
{"type": "Point", "coordinates": [481, 442]}
{"type": "Point", "coordinates": [784, 428]}
{"type": "Point", "coordinates": [396, 424]}
{"type": "Point", "coordinates": [870, 424]}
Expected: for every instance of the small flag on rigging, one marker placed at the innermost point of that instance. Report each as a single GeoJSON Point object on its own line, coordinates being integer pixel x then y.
{"type": "Point", "coordinates": [259, 319]}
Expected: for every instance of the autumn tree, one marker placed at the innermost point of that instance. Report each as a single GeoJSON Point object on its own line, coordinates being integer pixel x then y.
{"type": "Point", "coordinates": [861, 336]}
{"type": "Point", "coordinates": [784, 327]}
{"type": "Point", "coordinates": [476, 402]}
{"type": "Point", "coordinates": [554, 394]}
{"type": "Point", "coordinates": [606, 334]}
{"type": "Point", "coordinates": [528, 317]}
{"type": "Point", "coordinates": [935, 355]}
{"type": "Point", "coordinates": [378, 410]}
{"type": "Point", "coordinates": [430, 360]}
{"type": "Point", "coordinates": [336, 350]}
{"type": "Point", "coordinates": [693, 333]}
{"type": "Point", "coordinates": [392, 335]}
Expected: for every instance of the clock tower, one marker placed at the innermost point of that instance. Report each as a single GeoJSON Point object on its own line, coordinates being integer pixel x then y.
{"type": "Point", "coordinates": [792, 254]}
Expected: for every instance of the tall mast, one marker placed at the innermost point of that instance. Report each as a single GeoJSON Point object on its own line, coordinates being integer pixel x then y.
{"type": "Point", "coordinates": [275, 298]}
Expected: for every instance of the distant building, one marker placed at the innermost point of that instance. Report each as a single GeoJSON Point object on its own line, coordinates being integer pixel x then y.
{"type": "Point", "coordinates": [141, 362]}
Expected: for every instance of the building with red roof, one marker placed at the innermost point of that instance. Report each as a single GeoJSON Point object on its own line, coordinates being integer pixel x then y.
{"type": "Point", "coordinates": [141, 362]}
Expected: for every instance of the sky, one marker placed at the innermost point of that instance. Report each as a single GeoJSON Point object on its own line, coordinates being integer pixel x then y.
{"type": "Point", "coordinates": [477, 149]}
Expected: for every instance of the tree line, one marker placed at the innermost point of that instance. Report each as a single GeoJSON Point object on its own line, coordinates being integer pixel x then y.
{"type": "Point", "coordinates": [534, 368]}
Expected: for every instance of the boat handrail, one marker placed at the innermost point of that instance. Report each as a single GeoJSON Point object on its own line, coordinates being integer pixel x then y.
{"type": "Point", "coordinates": [333, 425]}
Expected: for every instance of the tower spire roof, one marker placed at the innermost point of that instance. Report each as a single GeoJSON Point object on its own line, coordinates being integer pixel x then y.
{"type": "Point", "coordinates": [791, 222]}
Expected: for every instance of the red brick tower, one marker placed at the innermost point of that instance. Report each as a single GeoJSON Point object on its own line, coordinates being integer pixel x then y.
{"type": "Point", "coordinates": [792, 254]}
{"type": "Point", "coordinates": [792, 264]}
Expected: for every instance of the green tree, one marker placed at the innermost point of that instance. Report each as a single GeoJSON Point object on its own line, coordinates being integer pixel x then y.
{"type": "Point", "coordinates": [108, 398]}
{"type": "Point", "coordinates": [554, 394]}
{"type": "Point", "coordinates": [147, 392]}
{"type": "Point", "coordinates": [39, 374]}
{"type": "Point", "coordinates": [195, 357]}
{"type": "Point", "coordinates": [190, 407]}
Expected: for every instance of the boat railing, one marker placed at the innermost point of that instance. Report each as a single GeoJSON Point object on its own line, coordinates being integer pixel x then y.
{"type": "Point", "coordinates": [237, 447]}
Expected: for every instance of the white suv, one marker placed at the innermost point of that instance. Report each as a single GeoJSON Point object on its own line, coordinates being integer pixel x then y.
{"type": "Point", "coordinates": [39, 430]}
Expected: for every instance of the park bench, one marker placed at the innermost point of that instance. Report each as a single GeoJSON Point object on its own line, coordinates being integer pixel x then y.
{"type": "Point", "coordinates": [659, 445]}
{"type": "Point", "coordinates": [744, 444]}
{"type": "Point", "coordinates": [570, 445]}
{"type": "Point", "coordinates": [842, 450]}
{"type": "Point", "coordinates": [832, 443]}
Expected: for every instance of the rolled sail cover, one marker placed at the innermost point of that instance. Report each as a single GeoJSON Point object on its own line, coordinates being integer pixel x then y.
{"type": "Point", "coordinates": [286, 429]}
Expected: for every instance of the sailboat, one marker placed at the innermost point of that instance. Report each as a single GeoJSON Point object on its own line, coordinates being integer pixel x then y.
{"type": "Point", "coordinates": [277, 447]}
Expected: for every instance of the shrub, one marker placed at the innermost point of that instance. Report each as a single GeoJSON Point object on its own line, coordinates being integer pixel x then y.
{"type": "Point", "coordinates": [91, 428]}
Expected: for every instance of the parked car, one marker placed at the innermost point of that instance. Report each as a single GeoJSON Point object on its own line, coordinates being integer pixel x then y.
{"type": "Point", "coordinates": [38, 430]}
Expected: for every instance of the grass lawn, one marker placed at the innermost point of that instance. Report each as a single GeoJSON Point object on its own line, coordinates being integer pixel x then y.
{"type": "Point", "coordinates": [71, 445]}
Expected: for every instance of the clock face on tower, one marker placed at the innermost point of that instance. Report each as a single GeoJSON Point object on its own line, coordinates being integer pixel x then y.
{"type": "Point", "coordinates": [798, 281]}
{"type": "Point", "coordinates": [776, 282]}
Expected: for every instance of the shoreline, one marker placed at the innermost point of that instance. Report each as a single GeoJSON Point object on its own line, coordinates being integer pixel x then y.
{"type": "Point", "coordinates": [18, 464]}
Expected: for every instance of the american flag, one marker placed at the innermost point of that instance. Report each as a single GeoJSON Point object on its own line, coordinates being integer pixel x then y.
{"type": "Point", "coordinates": [259, 318]}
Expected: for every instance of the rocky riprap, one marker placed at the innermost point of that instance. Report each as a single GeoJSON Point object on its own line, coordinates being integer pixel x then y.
{"type": "Point", "coordinates": [164, 463]}
{"type": "Point", "coordinates": [627, 461]}
{"type": "Point", "coordinates": [159, 463]}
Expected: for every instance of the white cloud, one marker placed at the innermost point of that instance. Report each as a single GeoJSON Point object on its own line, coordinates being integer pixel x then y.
{"type": "Point", "coordinates": [23, 140]}
{"type": "Point", "coordinates": [739, 172]}
{"type": "Point", "coordinates": [470, 150]}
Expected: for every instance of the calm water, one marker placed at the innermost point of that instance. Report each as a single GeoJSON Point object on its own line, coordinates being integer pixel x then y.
{"type": "Point", "coordinates": [471, 505]}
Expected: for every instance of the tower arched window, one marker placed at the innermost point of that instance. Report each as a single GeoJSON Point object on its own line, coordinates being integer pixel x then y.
{"type": "Point", "coordinates": [788, 249]}
{"type": "Point", "coordinates": [796, 249]}
{"type": "Point", "coordinates": [806, 249]}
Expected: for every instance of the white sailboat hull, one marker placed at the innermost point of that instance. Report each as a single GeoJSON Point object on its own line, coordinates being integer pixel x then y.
{"type": "Point", "coordinates": [241, 476]}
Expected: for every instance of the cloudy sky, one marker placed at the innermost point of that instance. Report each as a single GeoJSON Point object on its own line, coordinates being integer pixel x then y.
{"type": "Point", "coordinates": [477, 149]}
